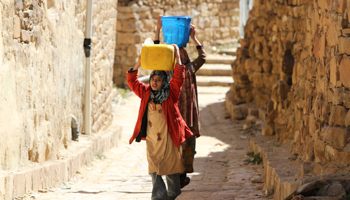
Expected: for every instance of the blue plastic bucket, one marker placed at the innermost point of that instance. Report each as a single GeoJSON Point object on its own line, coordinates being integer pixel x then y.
{"type": "Point", "coordinates": [176, 29]}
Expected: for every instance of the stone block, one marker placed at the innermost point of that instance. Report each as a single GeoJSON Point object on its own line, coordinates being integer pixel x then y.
{"type": "Point", "coordinates": [267, 66]}
{"type": "Point", "coordinates": [326, 112]}
{"type": "Point", "coordinates": [269, 130]}
{"type": "Point", "coordinates": [340, 5]}
{"type": "Point", "coordinates": [343, 158]}
{"type": "Point", "coordinates": [262, 114]}
{"type": "Point", "coordinates": [36, 178]}
{"type": "Point", "coordinates": [317, 107]}
{"type": "Point", "coordinates": [280, 91]}
{"type": "Point", "coordinates": [324, 4]}
{"type": "Point", "coordinates": [244, 42]}
{"type": "Point", "coordinates": [2, 185]}
{"type": "Point", "coordinates": [333, 168]}
{"type": "Point", "coordinates": [344, 43]}
{"type": "Point", "coordinates": [347, 119]}
{"type": "Point", "coordinates": [306, 168]}
{"type": "Point", "coordinates": [16, 27]}
{"type": "Point", "coordinates": [344, 71]}
{"type": "Point", "coordinates": [346, 99]}
{"type": "Point", "coordinates": [335, 136]}
{"type": "Point", "coordinates": [253, 112]}
{"type": "Point", "coordinates": [126, 38]}
{"type": "Point", "coordinates": [334, 71]}
{"type": "Point", "coordinates": [19, 184]}
{"type": "Point", "coordinates": [25, 36]}
{"type": "Point", "coordinates": [339, 137]}
{"type": "Point", "coordinates": [296, 69]}
{"type": "Point", "coordinates": [346, 32]}
{"type": "Point", "coordinates": [319, 167]}
{"type": "Point", "coordinates": [338, 114]}
{"type": "Point", "coordinates": [239, 111]}
{"type": "Point", "coordinates": [319, 149]}
{"type": "Point", "coordinates": [297, 137]}
{"type": "Point", "coordinates": [319, 44]}
{"type": "Point", "coordinates": [28, 180]}
{"type": "Point", "coordinates": [326, 134]}
{"type": "Point", "coordinates": [124, 10]}
{"type": "Point", "coordinates": [147, 25]}
{"type": "Point", "coordinates": [338, 96]}
{"type": "Point", "coordinates": [156, 12]}
{"type": "Point", "coordinates": [330, 153]}
{"type": "Point", "coordinates": [271, 116]}
{"type": "Point", "coordinates": [8, 187]}
{"type": "Point", "coordinates": [332, 35]}
{"type": "Point", "coordinates": [133, 50]}
{"type": "Point", "coordinates": [215, 23]}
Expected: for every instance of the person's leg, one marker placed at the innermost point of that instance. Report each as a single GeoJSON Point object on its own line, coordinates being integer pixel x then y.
{"type": "Point", "coordinates": [159, 190]}
{"type": "Point", "coordinates": [173, 182]}
{"type": "Point", "coordinates": [188, 157]}
{"type": "Point", "coordinates": [184, 180]}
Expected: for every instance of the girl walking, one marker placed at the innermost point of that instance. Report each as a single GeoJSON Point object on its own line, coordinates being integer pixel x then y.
{"type": "Point", "coordinates": [161, 125]}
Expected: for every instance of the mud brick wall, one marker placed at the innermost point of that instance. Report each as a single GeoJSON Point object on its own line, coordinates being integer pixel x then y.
{"type": "Point", "coordinates": [294, 63]}
{"type": "Point", "coordinates": [216, 23]}
{"type": "Point", "coordinates": [42, 75]}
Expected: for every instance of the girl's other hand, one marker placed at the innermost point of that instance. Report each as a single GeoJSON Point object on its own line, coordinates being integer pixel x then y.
{"type": "Point", "coordinates": [177, 54]}
{"type": "Point", "coordinates": [138, 63]}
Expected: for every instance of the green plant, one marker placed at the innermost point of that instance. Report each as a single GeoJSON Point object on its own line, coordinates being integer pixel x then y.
{"type": "Point", "coordinates": [124, 92]}
{"type": "Point", "coordinates": [100, 155]}
{"type": "Point", "coordinates": [255, 159]}
{"type": "Point", "coordinates": [251, 154]}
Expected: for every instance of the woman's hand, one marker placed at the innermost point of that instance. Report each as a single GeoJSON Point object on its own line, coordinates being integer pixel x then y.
{"type": "Point", "coordinates": [193, 35]}
{"type": "Point", "coordinates": [193, 32]}
{"type": "Point", "coordinates": [159, 22]}
{"type": "Point", "coordinates": [177, 54]}
{"type": "Point", "coordinates": [159, 26]}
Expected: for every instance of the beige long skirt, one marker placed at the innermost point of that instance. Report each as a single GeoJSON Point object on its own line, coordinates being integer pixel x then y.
{"type": "Point", "coordinates": [163, 157]}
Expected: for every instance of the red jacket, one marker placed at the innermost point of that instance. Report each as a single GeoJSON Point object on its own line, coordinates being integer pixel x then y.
{"type": "Point", "coordinates": [177, 127]}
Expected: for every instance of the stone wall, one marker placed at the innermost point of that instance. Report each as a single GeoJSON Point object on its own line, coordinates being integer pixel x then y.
{"type": "Point", "coordinates": [216, 24]}
{"type": "Point", "coordinates": [293, 64]}
{"type": "Point", "coordinates": [42, 75]}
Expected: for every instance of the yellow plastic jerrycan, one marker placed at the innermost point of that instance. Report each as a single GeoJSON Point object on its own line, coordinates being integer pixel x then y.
{"type": "Point", "coordinates": [158, 57]}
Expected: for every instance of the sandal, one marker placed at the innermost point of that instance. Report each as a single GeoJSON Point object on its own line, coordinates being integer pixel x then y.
{"type": "Point", "coordinates": [184, 181]}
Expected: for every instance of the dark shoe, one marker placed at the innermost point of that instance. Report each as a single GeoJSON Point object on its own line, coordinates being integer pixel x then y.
{"type": "Point", "coordinates": [184, 181]}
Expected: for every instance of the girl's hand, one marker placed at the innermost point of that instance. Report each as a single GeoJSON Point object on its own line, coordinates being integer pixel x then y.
{"type": "Point", "coordinates": [138, 63]}
{"type": "Point", "coordinates": [177, 54]}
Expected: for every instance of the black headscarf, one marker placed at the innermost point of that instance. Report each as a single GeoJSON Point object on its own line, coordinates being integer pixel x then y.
{"type": "Point", "coordinates": [159, 96]}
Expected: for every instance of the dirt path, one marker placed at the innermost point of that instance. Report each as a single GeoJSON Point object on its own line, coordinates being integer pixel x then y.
{"type": "Point", "coordinates": [220, 172]}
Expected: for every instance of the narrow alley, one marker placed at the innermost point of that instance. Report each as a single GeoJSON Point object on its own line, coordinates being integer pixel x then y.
{"type": "Point", "coordinates": [220, 165]}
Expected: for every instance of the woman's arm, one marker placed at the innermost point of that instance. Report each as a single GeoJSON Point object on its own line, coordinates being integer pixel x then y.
{"type": "Point", "coordinates": [179, 75]}
{"type": "Point", "coordinates": [200, 60]}
{"type": "Point", "coordinates": [159, 26]}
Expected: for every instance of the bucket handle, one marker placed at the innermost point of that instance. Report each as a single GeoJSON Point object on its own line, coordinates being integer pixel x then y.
{"type": "Point", "coordinates": [184, 23]}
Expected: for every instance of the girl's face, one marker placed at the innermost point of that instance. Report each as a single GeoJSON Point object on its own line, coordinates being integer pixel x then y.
{"type": "Point", "coordinates": [156, 82]}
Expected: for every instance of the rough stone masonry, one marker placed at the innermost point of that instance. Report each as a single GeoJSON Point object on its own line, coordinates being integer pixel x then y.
{"type": "Point", "coordinates": [294, 64]}
{"type": "Point", "coordinates": [42, 79]}
{"type": "Point", "coordinates": [216, 24]}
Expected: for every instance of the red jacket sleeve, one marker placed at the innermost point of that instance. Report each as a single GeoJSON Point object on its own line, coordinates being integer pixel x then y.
{"type": "Point", "coordinates": [135, 85]}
